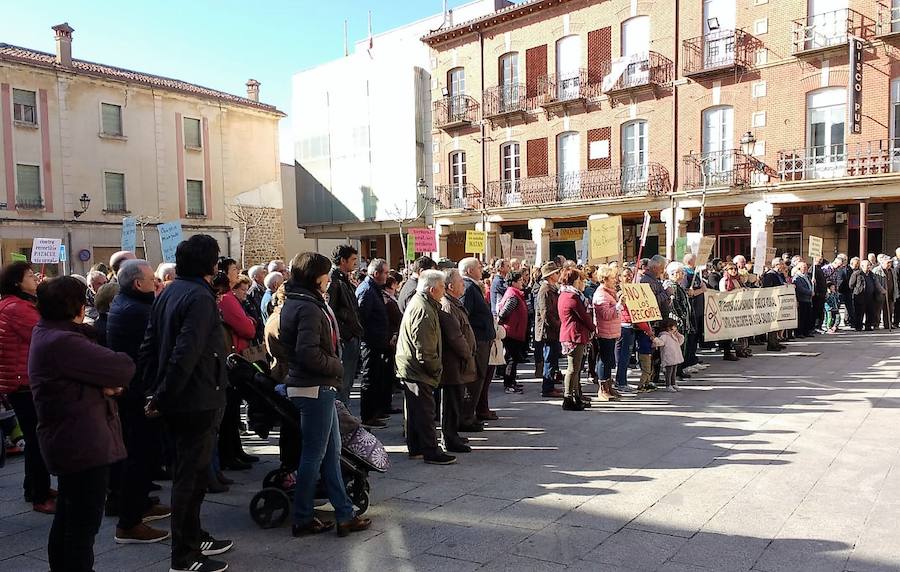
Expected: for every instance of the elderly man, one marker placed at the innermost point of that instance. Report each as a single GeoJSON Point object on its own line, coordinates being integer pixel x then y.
{"type": "Point", "coordinates": [95, 279]}
{"type": "Point", "coordinates": [280, 267]}
{"type": "Point", "coordinates": [375, 347]}
{"type": "Point", "coordinates": [418, 266]}
{"type": "Point", "coordinates": [419, 367]}
{"type": "Point", "coordinates": [258, 275]}
{"type": "Point", "coordinates": [165, 275]}
{"type": "Point", "coordinates": [272, 282]}
{"type": "Point", "coordinates": [116, 261]}
{"type": "Point", "coordinates": [895, 261]}
{"type": "Point", "coordinates": [886, 282]}
{"type": "Point", "coordinates": [772, 278]}
{"type": "Point", "coordinates": [653, 274]}
{"type": "Point", "coordinates": [695, 287]}
{"type": "Point", "coordinates": [846, 291]}
{"type": "Point", "coordinates": [498, 284]}
{"type": "Point", "coordinates": [458, 361]}
{"type": "Point", "coordinates": [864, 290]}
{"type": "Point", "coordinates": [476, 407]}
{"type": "Point", "coordinates": [126, 324]}
{"type": "Point", "coordinates": [546, 327]}
{"type": "Point", "coordinates": [342, 300]}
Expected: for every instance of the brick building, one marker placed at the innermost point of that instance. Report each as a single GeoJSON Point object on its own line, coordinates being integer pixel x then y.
{"type": "Point", "coordinates": [550, 111]}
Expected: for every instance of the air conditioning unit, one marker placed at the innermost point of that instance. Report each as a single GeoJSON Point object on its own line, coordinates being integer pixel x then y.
{"type": "Point", "coordinates": [840, 218]}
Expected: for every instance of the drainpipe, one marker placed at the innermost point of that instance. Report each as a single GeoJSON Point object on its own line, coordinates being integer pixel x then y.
{"type": "Point", "coordinates": [675, 74]}
{"type": "Point", "coordinates": [483, 147]}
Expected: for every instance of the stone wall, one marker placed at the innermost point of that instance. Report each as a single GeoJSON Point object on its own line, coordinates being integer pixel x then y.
{"type": "Point", "coordinates": [265, 242]}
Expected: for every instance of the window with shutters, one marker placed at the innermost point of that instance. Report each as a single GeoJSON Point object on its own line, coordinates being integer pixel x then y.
{"type": "Point", "coordinates": [24, 108]}
{"type": "Point", "coordinates": [28, 187]}
{"type": "Point", "coordinates": [114, 188]}
{"type": "Point", "coordinates": [111, 119]}
{"type": "Point", "coordinates": [458, 177]}
{"type": "Point", "coordinates": [192, 138]}
{"type": "Point", "coordinates": [195, 206]}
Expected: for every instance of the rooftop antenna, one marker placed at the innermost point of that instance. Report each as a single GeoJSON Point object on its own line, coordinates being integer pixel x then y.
{"type": "Point", "coordinates": [444, 21]}
{"type": "Point", "coordinates": [346, 45]}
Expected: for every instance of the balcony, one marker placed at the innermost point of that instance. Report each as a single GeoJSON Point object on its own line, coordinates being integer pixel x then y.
{"type": "Point", "coordinates": [830, 30]}
{"type": "Point", "coordinates": [504, 103]}
{"type": "Point", "coordinates": [29, 203]}
{"type": "Point", "coordinates": [559, 93]}
{"type": "Point", "coordinates": [888, 21]}
{"type": "Point", "coordinates": [460, 196]}
{"type": "Point", "coordinates": [455, 112]}
{"type": "Point", "coordinates": [620, 182]}
{"type": "Point", "coordinates": [638, 73]}
{"type": "Point", "coordinates": [731, 168]}
{"type": "Point", "coordinates": [869, 158]}
{"type": "Point", "coordinates": [718, 52]}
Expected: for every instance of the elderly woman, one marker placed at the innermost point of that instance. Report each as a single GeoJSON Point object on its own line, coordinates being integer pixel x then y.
{"type": "Point", "coordinates": [315, 373]}
{"type": "Point", "coordinates": [729, 281]}
{"type": "Point", "coordinates": [575, 331]}
{"type": "Point", "coordinates": [458, 359]}
{"type": "Point", "coordinates": [73, 381]}
{"type": "Point", "coordinates": [805, 319]}
{"type": "Point", "coordinates": [102, 302]}
{"type": "Point", "coordinates": [607, 330]}
{"type": "Point", "coordinates": [512, 312]}
{"type": "Point", "coordinates": [682, 309]}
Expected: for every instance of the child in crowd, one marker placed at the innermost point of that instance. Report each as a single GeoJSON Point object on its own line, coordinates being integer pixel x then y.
{"type": "Point", "coordinates": [670, 351]}
{"type": "Point", "coordinates": [832, 309]}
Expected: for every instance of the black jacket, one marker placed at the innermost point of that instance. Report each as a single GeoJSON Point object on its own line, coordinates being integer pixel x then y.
{"type": "Point", "coordinates": [862, 285]}
{"type": "Point", "coordinates": [306, 332]}
{"type": "Point", "coordinates": [126, 325]}
{"type": "Point", "coordinates": [342, 300]}
{"type": "Point", "coordinates": [406, 292]}
{"type": "Point", "coordinates": [772, 279]}
{"type": "Point", "coordinates": [480, 316]}
{"type": "Point", "coordinates": [183, 353]}
{"type": "Point", "coordinates": [820, 287]}
{"type": "Point", "coordinates": [373, 313]}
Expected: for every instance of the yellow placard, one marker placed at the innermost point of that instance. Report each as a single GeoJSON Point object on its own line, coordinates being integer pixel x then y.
{"type": "Point", "coordinates": [605, 237]}
{"type": "Point", "coordinates": [475, 240]}
{"type": "Point", "coordinates": [641, 303]}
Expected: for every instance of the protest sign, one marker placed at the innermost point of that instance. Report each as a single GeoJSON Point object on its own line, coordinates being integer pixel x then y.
{"type": "Point", "coordinates": [641, 303]}
{"type": "Point", "coordinates": [506, 245]}
{"type": "Point", "coordinates": [17, 257]}
{"type": "Point", "coordinates": [681, 248]}
{"type": "Point", "coordinates": [585, 246]}
{"type": "Point", "coordinates": [815, 247]}
{"type": "Point", "coordinates": [45, 250]}
{"type": "Point", "coordinates": [129, 234]}
{"type": "Point", "coordinates": [62, 253]}
{"type": "Point", "coordinates": [770, 254]}
{"type": "Point", "coordinates": [605, 237]}
{"type": "Point", "coordinates": [759, 254]}
{"type": "Point", "coordinates": [424, 239]}
{"type": "Point", "coordinates": [645, 229]}
{"type": "Point", "coordinates": [475, 240]}
{"type": "Point", "coordinates": [169, 237]}
{"type": "Point", "coordinates": [518, 248]}
{"type": "Point", "coordinates": [411, 247]}
{"type": "Point", "coordinates": [530, 251]}
{"type": "Point", "coordinates": [693, 242]}
{"type": "Point", "coordinates": [705, 249]}
{"type": "Point", "coordinates": [749, 312]}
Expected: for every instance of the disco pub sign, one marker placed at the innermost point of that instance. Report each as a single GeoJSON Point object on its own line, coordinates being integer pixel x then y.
{"type": "Point", "coordinates": [856, 71]}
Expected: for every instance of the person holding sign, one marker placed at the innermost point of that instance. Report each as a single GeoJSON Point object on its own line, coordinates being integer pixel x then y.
{"type": "Point", "coordinates": [608, 329]}
{"type": "Point", "coordinates": [576, 326]}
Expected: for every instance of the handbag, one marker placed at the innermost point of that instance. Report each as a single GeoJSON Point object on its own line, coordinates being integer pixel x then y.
{"type": "Point", "coordinates": [254, 353]}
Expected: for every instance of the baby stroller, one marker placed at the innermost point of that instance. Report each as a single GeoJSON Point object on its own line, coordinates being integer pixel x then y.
{"type": "Point", "coordinates": [361, 452]}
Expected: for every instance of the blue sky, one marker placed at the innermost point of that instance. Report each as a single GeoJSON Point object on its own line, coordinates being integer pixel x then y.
{"type": "Point", "coordinates": [218, 44]}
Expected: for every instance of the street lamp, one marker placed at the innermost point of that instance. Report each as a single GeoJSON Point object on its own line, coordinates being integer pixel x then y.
{"type": "Point", "coordinates": [748, 139]}
{"type": "Point", "coordinates": [85, 201]}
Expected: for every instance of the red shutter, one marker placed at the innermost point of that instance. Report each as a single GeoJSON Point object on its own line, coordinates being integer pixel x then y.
{"type": "Point", "coordinates": [535, 69]}
{"type": "Point", "coordinates": [599, 53]}
{"type": "Point", "coordinates": [537, 163]}
{"type": "Point", "coordinates": [594, 135]}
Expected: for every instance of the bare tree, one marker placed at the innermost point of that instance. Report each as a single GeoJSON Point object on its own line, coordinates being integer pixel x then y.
{"type": "Point", "coordinates": [247, 217]}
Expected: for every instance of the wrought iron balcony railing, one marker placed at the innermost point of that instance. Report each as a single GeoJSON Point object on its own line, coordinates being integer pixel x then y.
{"type": "Point", "coordinates": [29, 203]}
{"type": "Point", "coordinates": [869, 158]}
{"type": "Point", "coordinates": [819, 32]}
{"type": "Point", "coordinates": [640, 180]}
{"type": "Point", "coordinates": [637, 72]}
{"type": "Point", "coordinates": [566, 87]}
{"type": "Point", "coordinates": [717, 51]}
{"type": "Point", "coordinates": [460, 196]}
{"type": "Point", "coordinates": [504, 100]}
{"type": "Point", "coordinates": [731, 168]}
{"type": "Point", "coordinates": [888, 20]}
{"type": "Point", "coordinates": [455, 111]}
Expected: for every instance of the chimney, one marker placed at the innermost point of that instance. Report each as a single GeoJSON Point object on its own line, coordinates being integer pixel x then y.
{"type": "Point", "coordinates": [63, 44]}
{"type": "Point", "coordinates": [253, 89]}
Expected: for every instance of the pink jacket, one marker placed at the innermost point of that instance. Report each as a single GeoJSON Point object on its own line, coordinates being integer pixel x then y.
{"type": "Point", "coordinates": [670, 353]}
{"type": "Point", "coordinates": [607, 319]}
{"type": "Point", "coordinates": [240, 325]}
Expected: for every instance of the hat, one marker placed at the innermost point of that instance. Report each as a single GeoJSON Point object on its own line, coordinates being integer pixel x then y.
{"type": "Point", "coordinates": [548, 269]}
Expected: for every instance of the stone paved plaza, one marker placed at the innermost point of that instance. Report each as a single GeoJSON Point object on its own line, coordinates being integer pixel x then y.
{"type": "Point", "coordinates": [781, 462]}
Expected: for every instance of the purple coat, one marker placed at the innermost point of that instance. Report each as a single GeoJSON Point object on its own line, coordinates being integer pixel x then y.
{"type": "Point", "coordinates": [78, 426]}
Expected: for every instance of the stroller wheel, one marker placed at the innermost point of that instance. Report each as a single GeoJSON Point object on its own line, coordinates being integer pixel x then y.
{"type": "Point", "coordinates": [362, 503]}
{"type": "Point", "coordinates": [274, 478]}
{"type": "Point", "coordinates": [269, 508]}
{"type": "Point", "coordinates": [359, 494]}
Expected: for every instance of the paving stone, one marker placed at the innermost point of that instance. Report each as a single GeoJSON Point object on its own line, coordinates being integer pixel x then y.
{"type": "Point", "coordinates": [636, 549]}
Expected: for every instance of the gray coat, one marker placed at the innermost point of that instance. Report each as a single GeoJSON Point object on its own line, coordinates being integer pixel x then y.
{"type": "Point", "coordinates": [458, 339]}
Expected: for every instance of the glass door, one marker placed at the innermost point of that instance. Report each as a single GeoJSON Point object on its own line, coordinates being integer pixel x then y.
{"type": "Point", "coordinates": [456, 87]}
{"type": "Point", "coordinates": [509, 82]}
{"type": "Point", "coordinates": [634, 156]}
{"type": "Point", "coordinates": [636, 48]}
{"type": "Point", "coordinates": [568, 161]}
{"type": "Point", "coordinates": [718, 144]}
{"type": "Point", "coordinates": [568, 68]}
{"type": "Point", "coordinates": [826, 23]}
{"type": "Point", "coordinates": [510, 173]}
{"type": "Point", "coordinates": [827, 115]}
{"type": "Point", "coordinates": [718, 33]}
{"type": "Point", "coordinates": [458, 179]}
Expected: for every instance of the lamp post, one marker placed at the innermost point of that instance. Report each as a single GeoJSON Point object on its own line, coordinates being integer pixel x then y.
{"type": "Point", "coordinates": [85, 201]}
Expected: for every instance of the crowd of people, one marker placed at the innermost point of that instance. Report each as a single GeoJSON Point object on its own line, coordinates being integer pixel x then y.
{"type": "Point", "coordinates": [132, 361]}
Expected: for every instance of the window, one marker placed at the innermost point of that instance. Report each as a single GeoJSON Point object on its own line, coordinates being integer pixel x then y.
{"type": "Point", "coordinates": [634, 152]}
{"type": "Point", "coordinates": [509, 161]}
{"type": "Point", "coordinates": [24, 108]}
{"type": "Point", "coordinates": [895, 115]}
{"type": "Point", "coordinates": [509, 82]}
{"type": "Point", "coordinates": [718, 141]}
{"type": "Point", "coordinates": [195, 205]}
{"type": "Point", "coordinates": [457, 177]}
{"type": "Point", "coordinates": [192, 137]}
{"type": "Point", "coordinates": [635, 47]}
{"type": "Point", "coordinates": [456, 89]}
{"type": "Point", "coordinates": [568, 68]}
{"type": "Point", "coordinates": [28, 187]}
{"type": "Point", "coordinates": [110, 119]}
{"type": "Point", "coordinates": [826, 114]}
{"type": "Point", "coordinates": [568, 164]}
{"type": "Point", "coordinates": [827, 24]}
{"type": "Point", "coordinates": [114, 188]}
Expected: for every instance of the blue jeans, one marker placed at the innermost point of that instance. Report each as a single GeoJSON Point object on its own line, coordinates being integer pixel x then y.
{"type": "Point", "coordinates": [350, 359]}
{"type": "Point", "coordinates": [607, 358]}
{"type": "Point", "coordinates": [624, 347]}
{"type": "Point", "coordinates": [320, 452]}
{"type": "Point", "coordinates": [552, 352]}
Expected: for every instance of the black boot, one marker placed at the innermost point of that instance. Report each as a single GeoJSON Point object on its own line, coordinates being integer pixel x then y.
{"type": "Point", "coordinates": [572, 404]}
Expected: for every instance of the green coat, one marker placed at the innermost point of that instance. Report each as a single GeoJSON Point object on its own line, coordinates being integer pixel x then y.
{"type": "Point", "coordinates": [419, 343]}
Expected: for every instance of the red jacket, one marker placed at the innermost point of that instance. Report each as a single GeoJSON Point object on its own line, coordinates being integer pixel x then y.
{"type": "Point", "coordinates": [17, 318]}
{"type": "Point", "coordinates": [241, 326]}
{"type": "Point", "coordinates": [576, 324]}
{"type": "Point", "coordinates": [514, 321]}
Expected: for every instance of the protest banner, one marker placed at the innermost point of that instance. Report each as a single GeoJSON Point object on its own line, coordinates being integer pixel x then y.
{"type": "Point", "coordinates": [129, 234]}
{"type": "Point", "coordinates": [45, 250]}
{"type": "Point", "coordinates": [518, 248]}
{"type": "Point", "coordinates": [815, 247]}
{"type": "Point", "coordinates": [705, 249]}
{"type": "Point", "coordinates": [749, 312]}
{"type": "Point", "coordinates": [475, 240]}
{"type": "Point", "coordinates": [641, 303]}
{"type": "Point", "coordinates": [645, 229]}
{"type": "Point", "coordinates": [606, 238]}
{"type": "Point", "coordinates": [506, 245]}
{"type": "Point", "coordinates": [424, 239]}
{"type": "Point", "coordinates": [169, 237]}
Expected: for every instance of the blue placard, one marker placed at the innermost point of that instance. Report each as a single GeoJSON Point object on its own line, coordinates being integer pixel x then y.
{"type": "Point", "coordinates": [169, 237]}
{"type": "Point", "coordinates": [62, 252]}
{"type": "Point", "coordinates": [129, 234]}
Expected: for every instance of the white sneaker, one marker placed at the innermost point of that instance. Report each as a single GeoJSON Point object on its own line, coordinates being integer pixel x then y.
{"type": "Point", "coordinates": [671, 389]}
{"type": "Point", "coordinates": [675, 387]}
